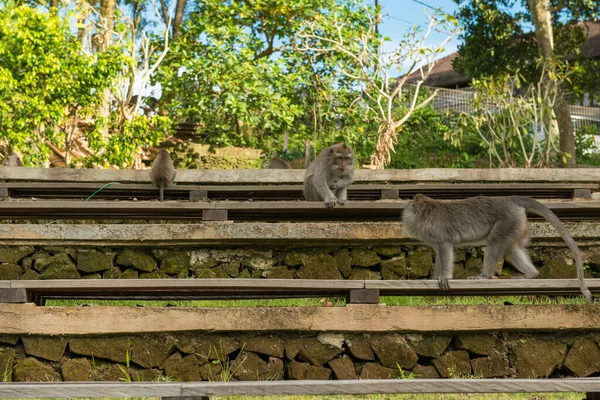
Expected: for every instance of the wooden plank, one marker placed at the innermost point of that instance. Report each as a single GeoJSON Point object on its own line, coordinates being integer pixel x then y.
{"type": "Point", "coordinates": [590, 175]}
{"type": "Point", "coordinates": [13, 296]}
{"type": "Point", "coordinates": [363, 296]}
{"type": "Point", "coordinates": [198, 195]}
{"type": "Point", "coordinates": [582, 193]}
{"type": "Point", "coordinates": [281, 388]}
{"type": "Point", "coordinates": [214, 215]}
{"type": "Point", "coordinates": [28, 319]}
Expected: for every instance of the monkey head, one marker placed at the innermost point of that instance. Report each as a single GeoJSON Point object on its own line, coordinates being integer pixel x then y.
{"type": "Point", "coordinates": [163, 154]}
{"type": "Point", "coordinates": [341, 158]}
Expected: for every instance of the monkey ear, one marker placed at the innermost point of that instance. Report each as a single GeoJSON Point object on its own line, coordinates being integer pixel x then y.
{"type": "Point", "coordinates": [344, 145]}
{"type": "Point", "coordinates": [330, 152]}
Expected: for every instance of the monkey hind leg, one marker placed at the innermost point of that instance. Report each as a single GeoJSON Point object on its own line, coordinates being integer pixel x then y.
{"type": "Point", "coordinates": [498, 243]}
{"type": "Point", "coordinates": [444, 264]}
{"type": "Point", "coordinates": [522, 262]}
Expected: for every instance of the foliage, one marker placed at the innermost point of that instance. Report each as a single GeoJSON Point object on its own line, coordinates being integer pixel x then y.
{"type": "Point", "coordinates": [496, 40]}
{"type": "Point", "coordinates": [125, 139]}
{"type": "Point", "coordinates": [587, 151]}
{"type": "Point", "coordinates": [45, 80]}
{"type": "Point", "coordinates": [514, 120]}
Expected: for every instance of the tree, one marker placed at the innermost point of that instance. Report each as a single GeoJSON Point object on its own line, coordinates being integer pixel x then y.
{"type": "Point", "coordinates": [495, 43]}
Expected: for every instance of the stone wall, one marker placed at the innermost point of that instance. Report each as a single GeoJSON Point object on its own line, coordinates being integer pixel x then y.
{"type": "Point", "coordinates": [406, 262]}
{"type": "Point", "coordinates": [205, 356]}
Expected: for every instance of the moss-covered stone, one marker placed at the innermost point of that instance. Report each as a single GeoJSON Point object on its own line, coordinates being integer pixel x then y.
{"type": "Point", "coordinates": [454, 364]}
{"type": "Point", "coordinates": [473, 266]}
{"type": "Point", "coordinates": [92, 276]}
{"type": "Point", "coordinates": [278, 273]}
{"type": "Point", "coordinates": [129, 274]}
{"type": "Point", "coordinates": [537, 358]}
{"type": "Point", "coordinates": [429, 345]}
{"type": "Point", "coordinates": [364, 274]}
{"type": "Point", "coordinates": [208, 347]}
{"type": "Point", "coordinates": [425, 372]}
{"type": "Point", "coordinates": [293, 259]}
{"type": "Point", "coordinates": [56, 261]}
{"type": "Point", "coordinates": [376, 371]}
{"type": "Point", "coordinates": [77, 370]}
{"type": "Point", "coordinates": [172, 359]}
{"type": "Point", "coordinates": [9, 339]}
{"type": "Point", "coordinates": [419, 263]}
{"type": "Point", "coordinates": [232, 268]}
{"type": "Point", "coordinates": [33, 370]}
{"type": "Point", "coordinates": [174, 262]}
{"type": "Point", "coordinates": [343, 368]}
{"type": "Point", "coordinates": [94, 261]}
{"type": "Point", "coordinates": [154, 275]}
{"type": "Point", "coordinates": [211, 273]}
{"type": "Point", "coordinates": [14, 254]}
{"type": "Point", "coordinates": [60, 272]}
{"type": "Point", "coordinates": [136, 259]}
{"type": "Point", "coordinates": [304, 371]}
{"type": "Point", "coordinates": [319, 266]}
{"type": "Point", "coordinates": [491, 367]}
{"type": "Point", "coordinates": [359, 347]}
{"type": "Point", "coordinates": [583, 358]}
{"type": "Point", "coordinates": [259, 263]}
{"type": "Point", "coordinates": [48, 348]}
{"type": "Point", "coordinates": [316, 353]}
{"type": "Point", "coordinates": [146, 375]}
{"type": "Point", "coordinates": [186, 364]}
{"type": "Point", "coordinates": [393, 350]}
{"type": "Point", "coordinates": [343, 262]}
{"type": "Point", "coordinates": [558, 268]}
{"type": "Point", "coordinates": [7, 359]}
{"type": "Point", "coordinates": [388, 251]}
{"type": "Point", "coordinates": [149, 352]}
{"type": "Point", "coordinates": [110, 348]}
{"type": "Point", "coordinates": [361, 257]}
{"type": "Point", "coordinates": [248, 366]}
{"type": "Point", "coordinates": [482, 344]}
{"type": "Point", "coordinates": [394, 268]}
{"type": "Point", "coordinates": [200, 259]}
{"type": "Point", "coordinates": [112, 273]}
{"type": "Point", "coordinates": [107, 372]}
{"type": "Point", "coordinates": [9, 272]}
{"type": "Point", "coordinates": [267, 345]}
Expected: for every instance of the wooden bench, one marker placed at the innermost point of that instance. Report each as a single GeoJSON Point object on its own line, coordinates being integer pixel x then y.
{"type": "Point", "coordinates": [241, 211]}
{"type": "Point", "coordinates": [356, 192]}
{"type": "Point", "coordinates": [355, 291]}
{"type": "Point", "coordinates": [201, 390]}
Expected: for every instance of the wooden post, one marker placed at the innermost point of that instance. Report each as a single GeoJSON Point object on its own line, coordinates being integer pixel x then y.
{"type": "Point", "coordinates": [214, 215]}
{"type": "Point", "coordinates": [363, 296]}
{"type": "Point", "coordinates": [582, 193]}
{"type": "Point", "coordinates": [390, 194]}
{"type": "Point", "coordinates": [3, 192]}
{"type": "Point", "coordinates": [198, 195]}
{"type": "Point", "coordinates": [9, 295]}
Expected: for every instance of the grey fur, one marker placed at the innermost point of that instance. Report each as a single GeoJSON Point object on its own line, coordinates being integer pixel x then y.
{"type": "Point", "coordinates": [328, 176]}
{"type": "Point", "coordinates": [278, 163]}
{"type": "Point", "coordinates": [499, 221]}
{"type": "Point", "coordinates": [13, 160]}
{"type": "Point", "coordinates": [163, 172]}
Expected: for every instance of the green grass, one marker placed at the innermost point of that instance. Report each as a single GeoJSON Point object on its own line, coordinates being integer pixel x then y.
{"type": "Point", "coordinates": [318, 302]}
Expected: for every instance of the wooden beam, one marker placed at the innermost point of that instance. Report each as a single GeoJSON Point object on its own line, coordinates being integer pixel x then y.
{"type": "Point", "coordinates": [28, 319]}
{"type": "Point", "coordinates": [591, 175]}
{"type": "Point", "coordinates": [282, 388]}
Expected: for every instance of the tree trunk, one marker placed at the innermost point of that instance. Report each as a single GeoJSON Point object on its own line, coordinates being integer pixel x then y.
{"type": "Point", "coordinates": [542, 19]}
{"type": "Point", "coordinates": [178, 20]}
{"type": "Point", "coordinates": [107, 16]}
{"type": "Point", "coordinates": [54, 7]}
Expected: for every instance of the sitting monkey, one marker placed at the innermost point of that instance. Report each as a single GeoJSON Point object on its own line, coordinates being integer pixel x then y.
{"type": "Point", "coordinates": [328, 176]}
{"type": "Point", "coordinates": [163, 172]}
{"type": "Point", "coordinates": [499, 221]}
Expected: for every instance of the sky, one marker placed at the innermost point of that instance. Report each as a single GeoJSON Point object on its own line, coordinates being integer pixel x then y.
{"type": "Point", "coordinates": [400, 15]}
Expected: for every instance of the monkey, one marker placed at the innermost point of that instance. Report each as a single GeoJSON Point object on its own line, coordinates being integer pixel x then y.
{"type": "Point", "coordinates": [278, 163]}
{"type": "Point", "coordinates": [163, 172]}
{"type": "Point", "coordinates": [13, 160]}
{"type": "Point", "coordinates": [499, 221]}
{"type": "Point", "coordinates": [328, 176]}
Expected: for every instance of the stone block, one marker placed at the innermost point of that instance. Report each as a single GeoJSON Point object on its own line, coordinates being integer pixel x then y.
{"type": "Point", "coordinates": [319, 266]}
{"type": "Point", "coordinates": [361, 257]}
{"type": "Point", "coordinates": [429, 345]}
{"type": "Point", "coordinates": [14, 254]}
{"type": "Point", "coordinates": [267, 345]}
{"type": "Point", "coordinates": [136, 259]}
{"type": "Point", "coordinates": [454, 364]}
{"type": "Point", "coordinates": [48, 348]}
{"type": "Point", "coordinates": [77, 370]}
{"type": "Point", "coordinates": [537, 358]}
{"type": "Point", "coordinates": [149, 352]}
{"type": "Point", "coordinates": [376, 371]}
{"type": "Point", "coordinates": [343, 368]}
{"type": "Point", "coordinates": [419, 263]}
{"type": "Point", "coordinates": [481, 344]}
{"type": "Point", "coordinates": [359, 347]}
{"type": "Point", "coordinates": [10, 272]}
{"type": "Point", "coordinates": [94, 261]}
{"type": "Point", "coordinates": [343, 262]}
{"type": "Point", "coordinates": [425, 372]}
{"type": "Point", "coordinates": [392, 350]}
{"type": "Point", "coordinates": [583, 358]}
{"type": "Point", "coordinates": [33, 370]}
{"type": "Point", "coordinates": [495, 366]}
{"type": "Point", "coordinates": [110, 348]}
{"type": "Point", "coordinates": [394, 268]}
{"type": "Point", "coordinates": [304, 371]}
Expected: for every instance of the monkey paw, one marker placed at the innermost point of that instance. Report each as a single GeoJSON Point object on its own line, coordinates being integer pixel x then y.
{"type": "Point", "coordinates": [444, 284]}
{"type": "Point", "coordinates": [335, 185]}
{"type": "Point", "coordinates": [341, 202]}
{"type": "Point", "coordinates": [330, 203]}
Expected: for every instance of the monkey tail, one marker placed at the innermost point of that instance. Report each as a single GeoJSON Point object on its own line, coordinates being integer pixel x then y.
{"type": "Point", "coordinates": [161, 188]}
{"type": "Point", "coordinates": [538, 208]}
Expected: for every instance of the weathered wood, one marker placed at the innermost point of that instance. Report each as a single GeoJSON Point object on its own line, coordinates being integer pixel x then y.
{"type": "Point", "coordinates": [21, 319]}
{"type": "Point", "coordinates": [198, 195]}
{"type": "Point", "coordinates": [3, 192]}
{"type": "Point", "coordinates": [181, 390]}
{"type": "Point", "coordinates": [13, 296]}
{"type": "Point", "coordinates": [390, 194]}
{"type": "Point", "coordinates": [297, 176]}
{"type": "Point", "coordinates": [582, 193]}
{"type": "Point", "coordinates": [242, 211]}
{"type": "Point", "coordinates": [363, 296]}
{"type": "Point", "coordinates": [214, 215]}
{"type": "Point", "coordinates": [314, 233]}
{"type": "Point", "coordinates": [356, 291]}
